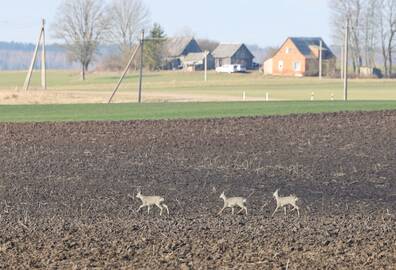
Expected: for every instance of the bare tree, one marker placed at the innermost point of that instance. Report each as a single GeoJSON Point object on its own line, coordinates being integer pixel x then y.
{"type": "Point", "coordinates": [351, 11]}
{"type": "Point", "coordinates": [371, 18]}
{"type": "Point", "coordinates": [83, 25]}
{"type": "Point", "coordinates": [128, 18]}
{"type": "Point", "coordinates": [387, 23]}
{"type": "Point", "coordinates": [207, 44]}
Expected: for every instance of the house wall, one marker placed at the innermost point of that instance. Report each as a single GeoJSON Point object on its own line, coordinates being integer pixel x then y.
{"type": "Point", "coordinates": [268, 67]}
{"type": "Point", "coordinates": [289, 55]}
{"type": "Point", "coordinates": [222, 61]}
{"type": "Point", "coordinates": [200, 65]}
{"type": "Point", "coordinates": [311, 67]}
{"type": "Point", "coordinates": [243, 57]}
{"type": "Point", "coordinates": [172, 64]}
{"type": "Point", "coordinates": [211, 62]}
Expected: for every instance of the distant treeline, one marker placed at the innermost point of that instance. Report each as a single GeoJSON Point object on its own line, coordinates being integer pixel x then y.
{"type": "Point", "coordinates": [17, 56]}
{"type": "Point", "coordinates": [18, 46]}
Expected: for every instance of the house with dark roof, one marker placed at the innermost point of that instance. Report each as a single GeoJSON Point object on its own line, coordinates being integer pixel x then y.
{"type": "Point", "coordinates": [177, 48]}
{"type": "Point", "coordinates": [299, 56]}
{"type": "Point", "coordinates": [233, 54]}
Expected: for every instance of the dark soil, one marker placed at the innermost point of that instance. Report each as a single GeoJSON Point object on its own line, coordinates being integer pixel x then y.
{"type": "Point", "coordinates": [67, 193]}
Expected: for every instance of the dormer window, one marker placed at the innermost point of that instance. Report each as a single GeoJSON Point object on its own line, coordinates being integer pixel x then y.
{"type": "Point", "coordinates": [288, 50]}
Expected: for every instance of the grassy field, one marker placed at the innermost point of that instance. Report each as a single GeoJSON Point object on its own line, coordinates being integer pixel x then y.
{"type": "Point", "coordinates": [103, 112]}
{"type": "Point", "coordinates": [66, 87]}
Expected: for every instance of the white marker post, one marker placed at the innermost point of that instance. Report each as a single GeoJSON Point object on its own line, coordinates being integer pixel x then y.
{"type": "Point", "coordinates": [267, 96]}
{"type": "Point", "coordinates": [312, 96]}
{"type": "Point", "coordinates": [244, 96]}
{"type": "Point", "coordinates": [332, 96]}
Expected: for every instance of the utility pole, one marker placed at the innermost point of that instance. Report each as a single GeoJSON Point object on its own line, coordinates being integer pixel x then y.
{"type": "Point", "coordinates": [33, 62]}
{"type": "Point", "coordinates": [320, 58]}
{"type": "Point", "coordinates": [141, 66]}
{"type": "Point", "coordinates": [43, 59]}
{"type": "Point", "coordinates": [346, 60]}
{"type": "Point", "coordinates": [206, 66]}
{"type": "Point", "coordinates": [124, 74]}
{"type": "Point", "coordinates": [342, 63]}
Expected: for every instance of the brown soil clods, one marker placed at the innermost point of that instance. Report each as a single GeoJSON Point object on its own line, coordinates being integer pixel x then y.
{"type": "Point", "coordinates": [68, 193]}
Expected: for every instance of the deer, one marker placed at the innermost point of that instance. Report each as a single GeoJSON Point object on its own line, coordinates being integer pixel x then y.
{"type": "Point", "coordinates": [148, 201]}
{"type": "Point", "coordinates": [233, 202]}
{"type": "Point", "coordinates": [285, 201]}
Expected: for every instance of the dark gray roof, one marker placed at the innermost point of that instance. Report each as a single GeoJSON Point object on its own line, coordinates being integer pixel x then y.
{"type": "Point", "coordinates": [305, 44]}
{"type": "Point", "coordinates": [176, 46]}
{"type": "Point", "coordinates": [225, 50]}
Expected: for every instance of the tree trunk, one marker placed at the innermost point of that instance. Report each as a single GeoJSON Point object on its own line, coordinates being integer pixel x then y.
{"type": "Point", "coordinates": [385, 56]}
{"type": "Point", "coordinates": [83, 72]}
{"type": "Point", "coordinates": [390, 62]}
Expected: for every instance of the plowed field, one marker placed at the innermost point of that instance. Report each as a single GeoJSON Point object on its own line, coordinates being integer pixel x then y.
{"type": "Point", "coordinates": [67, 193]}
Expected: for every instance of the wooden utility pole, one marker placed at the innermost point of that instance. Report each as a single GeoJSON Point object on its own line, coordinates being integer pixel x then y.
{"type": "Point", "coordinates": [320, 59]}
{"type": "Point", "coordinates": [40, 40]}
{"type": "Point", "coordinates": [43, 60]}
{"type": "Point", "coordinates": [346, 47]}
{"type": "Point", "coordinates": [141, 66]}
{"type": "Point", "coordinates": [206, 66]}
{"type": "Point", "coordinates": [342, 63]}
{"type": "Point", "coordinates": [124, 73]}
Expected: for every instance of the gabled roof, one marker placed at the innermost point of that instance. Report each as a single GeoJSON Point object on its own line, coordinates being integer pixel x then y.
{"type": "Point", "coordinates": [225, 50]}
{"type": "Point", "coordinates": [176, 46]}
{"type": "Point", "coordinates": [305, 45]}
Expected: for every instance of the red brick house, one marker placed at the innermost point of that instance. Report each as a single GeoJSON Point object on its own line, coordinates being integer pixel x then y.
{"type": "Point", "coordinates": [300, 57]}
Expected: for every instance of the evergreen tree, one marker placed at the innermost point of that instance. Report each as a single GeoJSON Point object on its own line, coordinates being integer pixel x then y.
{"type": "Point", "coordinates": [154, 48]}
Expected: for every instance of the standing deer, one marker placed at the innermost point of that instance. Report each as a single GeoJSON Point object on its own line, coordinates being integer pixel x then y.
{"type": "Point", "coordinates": [148, 201]}
{"type": "Point", "coordinates": [284, 201]}
{"type": "Point", "coordinates": [233, 202]}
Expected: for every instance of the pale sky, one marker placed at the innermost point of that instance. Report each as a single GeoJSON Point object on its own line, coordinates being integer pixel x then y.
{"type": "Point", "coordinates": [261, 22]}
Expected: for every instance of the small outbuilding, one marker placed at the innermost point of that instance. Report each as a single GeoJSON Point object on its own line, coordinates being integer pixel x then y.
{"type": "Point", "coordinates": [233, 54]}
{"type": "Point", "coordinates": [196, 61]}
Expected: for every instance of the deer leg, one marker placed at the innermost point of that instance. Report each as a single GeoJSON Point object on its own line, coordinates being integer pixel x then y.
{"type": "Point", "coordinates": [232, 210]}
{"type": "Point", "coordinates": [284, 208]}
{"type": "Point", "coordinates": [148, 209]}
{"type": "Point", "coordinates": [221, 211]}
{"type": "Point", "coordinates": [160, 207]}
{"type": "Point", "coordinates": [298, 210]}
{"type": "Point", "coordinates": [140, 207]}
{"type": "Point", "coordinates": [166, 207]}
{"type": "Point", "coordinates": [245, 209]}
{"type": "Point", "coordinates": [276, 209]}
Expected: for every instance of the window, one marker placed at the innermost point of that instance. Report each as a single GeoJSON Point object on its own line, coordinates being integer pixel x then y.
{"type": "Point", "coordinates": [297, 66]}
{"type": "Point", "coordinates": [280, 65]}
{"type": "Point", "coordinates": [288, 50]}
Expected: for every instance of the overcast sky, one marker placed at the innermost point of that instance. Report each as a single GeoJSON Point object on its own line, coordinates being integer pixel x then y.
{"type": "Point", "coordinates": [262, 22]}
